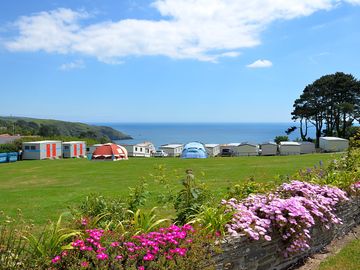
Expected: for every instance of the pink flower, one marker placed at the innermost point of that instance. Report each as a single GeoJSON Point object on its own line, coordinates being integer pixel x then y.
{"type": "Point", "coordinates": [141, 268]}
{"type": "Point", "coordinates": [149, 257]}
{"type": "Point", "coordinates": [56, 259]}
{"type": "Point", "coordinates": [114, 244]}
{"type": "Point", "coordinates": [102, 256]}
{"type": "Point", "coordinates": [84, 264]}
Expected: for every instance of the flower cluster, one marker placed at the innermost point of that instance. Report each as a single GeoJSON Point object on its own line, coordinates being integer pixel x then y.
{"type": "Point", "coordinates": [292, 210]}
{"type": "Point", "coordinates": [166, 244]}
{"type": "Point", "coordinates": [355, 187]}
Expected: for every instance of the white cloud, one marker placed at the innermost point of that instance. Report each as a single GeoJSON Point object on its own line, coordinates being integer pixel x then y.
{"type": "Point", "coordinates": [78, 64]}
{"type": "Point", "coordinates": [194, 29]}
{"type": "Point", "coordinates": [261, 63]}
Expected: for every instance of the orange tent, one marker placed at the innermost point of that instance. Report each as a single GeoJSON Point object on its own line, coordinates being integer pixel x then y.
{"type": "Point", "coordinates": [110, 151]}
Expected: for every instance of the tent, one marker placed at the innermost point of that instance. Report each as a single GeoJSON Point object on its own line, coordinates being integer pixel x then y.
{"type": "Point", "coordinates": [194, 150]}
{"type": "Point", "coordinates": [109, 151]}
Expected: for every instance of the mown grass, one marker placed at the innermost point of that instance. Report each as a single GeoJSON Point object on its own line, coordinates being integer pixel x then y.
{"type": "Point", "coordinates": [44, 189]}
{"type": "Point", "coordinates": [347, 259]}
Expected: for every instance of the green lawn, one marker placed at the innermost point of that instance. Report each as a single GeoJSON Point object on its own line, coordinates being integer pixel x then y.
{"type": "Point", "coordinates": [44, 189]}
{"type": "Point", "coordinates": [347, 259]}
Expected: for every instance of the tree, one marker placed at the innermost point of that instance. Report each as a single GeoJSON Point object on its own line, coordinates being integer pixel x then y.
{"type": "Point", "coordinates": [48, 130]}
{"type": "Point", "coordinates": [279, 139]}
{"type": "Point", "coordinates": [332, 101]}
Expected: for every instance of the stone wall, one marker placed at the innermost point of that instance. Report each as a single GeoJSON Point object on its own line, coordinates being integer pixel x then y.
{"type": "Point", "coordinates": [243, 253]}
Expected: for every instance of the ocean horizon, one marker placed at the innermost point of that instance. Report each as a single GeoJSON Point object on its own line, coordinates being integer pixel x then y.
{"type": "Point", "coordinates": [163, 133]}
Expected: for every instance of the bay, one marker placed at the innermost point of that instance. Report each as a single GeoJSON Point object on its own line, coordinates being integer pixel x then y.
{"type": "Point", "coordinates": [163, 133]}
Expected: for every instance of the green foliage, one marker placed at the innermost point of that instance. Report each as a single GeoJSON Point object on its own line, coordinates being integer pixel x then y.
{"type": "Point", "coordinates": [190, 199]}
{"type": "Point", "coordinates": [47, 127]}
{"type": "Point", "coordinates": [12, 243]}
{"type": "Point", "coordinates": [243, 189]}
{"type": "Point", "coordinates": [341, 172]}
{"type": "Point", "coordinates": [51, 241]}
{"type": "Point", "coordinates": [279, 139]}
{"type": "Point", "coordinates": [138, 196]}
{"type": "Point", "coordinates": [165, 178]}
{"type": "Point", "coordinates": [212, 220]}
{"type": "Point", "coordinates": [100, 211]}
{"type": "Point", "coordinates": [8, 147]}
{"type": "Point", "coordinates": [143, 222]}
{"type": "Point", "coordinates": [331, 104]}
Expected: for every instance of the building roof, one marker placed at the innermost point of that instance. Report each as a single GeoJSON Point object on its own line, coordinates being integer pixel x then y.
{"type": "Point", "coordinates": [172, 145]}
{"type": "Point", "coordinates": [309, 143]}
{"type": "Point", "coordinates": [232, 144]}
{"type": "Point", "coordinates": [37, 142]}
{"type": "Point", "coordinates": [290, 143]}
{"type": "Point", "coordinates": [250, 144]}
{"type": "Point", "coordinates": [211, 145]}
{"type": "Point", "coordinates": [71, 142]}
{"type": "Point", "coordinates": [333, 139]}
{"type": "Point", "coordinates": [271, 143]}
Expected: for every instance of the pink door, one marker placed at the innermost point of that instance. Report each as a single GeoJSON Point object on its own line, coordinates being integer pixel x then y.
{"type": "Point", "coordinates": [54, 150]}
{"type": "Point", "coordinates": [48, 151]}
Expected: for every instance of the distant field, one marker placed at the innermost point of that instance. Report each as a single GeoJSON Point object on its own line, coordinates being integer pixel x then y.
{"type": "Point", "coordinates": [44, 189]}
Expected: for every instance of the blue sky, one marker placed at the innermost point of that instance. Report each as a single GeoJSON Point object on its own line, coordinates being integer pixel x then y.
{"type": "Point", "coordinates": [170, 60]}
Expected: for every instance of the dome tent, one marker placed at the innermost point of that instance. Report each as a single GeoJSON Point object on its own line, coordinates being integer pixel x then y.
{"type": "Point", "coordinates": [194, 150]}
{"type": "Point", "coordinates": [110, 151]}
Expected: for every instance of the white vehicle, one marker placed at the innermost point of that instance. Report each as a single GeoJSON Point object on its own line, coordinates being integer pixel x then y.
{"type": "Point", "coordinates": [160, 153]}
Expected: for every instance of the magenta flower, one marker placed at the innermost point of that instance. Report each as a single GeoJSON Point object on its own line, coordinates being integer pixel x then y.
{"type": "Point", "coordinates": [56, 259]}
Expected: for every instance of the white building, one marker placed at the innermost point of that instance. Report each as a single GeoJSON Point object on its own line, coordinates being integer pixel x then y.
{"type": "Point", "coordinates": [74, 149]}
{"type": "Point", "coordinates": [307, 147]}
{"type": "Point", "coordinates": [333, 144]}
{"type": "Point", "coordinates": [145, 149]}
{"type": "Point", "coordinates": [269, 149]}
{"type": "Point", "coordinates": [42, 150]}
{"type": "Point", "coordinates": [212, 149]}
{"type": "Point", "coordinates": [247, 149]}
{"type": "Point", "coordinates": [289, 148]}
{"type": "Point", "coordinates": [229, 149]}
{"type": "Point", "coordinates": [173, 149]}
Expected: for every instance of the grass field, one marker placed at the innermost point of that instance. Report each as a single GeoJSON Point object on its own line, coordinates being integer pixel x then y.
{"type": "Point", "coordinates": [44, 189]}
{"type": "Point", "coordinates": [347, 259]}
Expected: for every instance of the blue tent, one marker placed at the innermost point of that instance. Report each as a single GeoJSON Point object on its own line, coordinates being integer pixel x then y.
{"type": "Point", "coordinates": [194, 150]}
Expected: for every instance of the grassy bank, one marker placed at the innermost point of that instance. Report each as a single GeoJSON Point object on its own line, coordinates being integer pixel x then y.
{"type": "Point", "coordinates": [348, 258]}
{"type": "Point", "coordinates": [44, 189]}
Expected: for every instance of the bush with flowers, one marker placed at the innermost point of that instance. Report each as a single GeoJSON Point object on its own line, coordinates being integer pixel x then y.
{"type": "Point", "coordinates": [173, 247]}
{"type": "Point", "coordinates": [291, 211]}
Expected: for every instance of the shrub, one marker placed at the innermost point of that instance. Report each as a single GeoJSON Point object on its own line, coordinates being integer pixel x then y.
{"type": "Point", "coordinates": [12, 243]}
{"type": "Point", "coordinates": [279, 139]}
{"type": "Point", "coordinates": [190, 199]}
{"type": "Point", "coordinates": [168, 248]}
{"type": "Point", "coordinates": [292, 210]}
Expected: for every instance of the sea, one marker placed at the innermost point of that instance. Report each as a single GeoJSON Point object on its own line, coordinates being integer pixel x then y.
{"type": "Point", "coordinates": [163, 133]}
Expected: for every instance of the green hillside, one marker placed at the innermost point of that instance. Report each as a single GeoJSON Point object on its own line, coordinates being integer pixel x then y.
{"type": "Point", "coordinates": [49, 127]}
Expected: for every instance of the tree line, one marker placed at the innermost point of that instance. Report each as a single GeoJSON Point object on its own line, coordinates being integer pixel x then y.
{"type": "Point", "coordinates": [331, 104]}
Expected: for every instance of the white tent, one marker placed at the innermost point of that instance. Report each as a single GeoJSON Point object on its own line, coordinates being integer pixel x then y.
{"type": "Point", "coordinates": [289, 148]}
{"type": "Point", "coordinates": [333, 144]}
{"type": "Point", "coordinates": [269, 149]}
